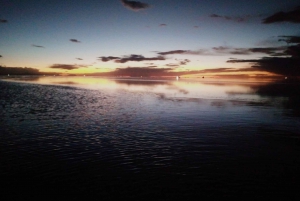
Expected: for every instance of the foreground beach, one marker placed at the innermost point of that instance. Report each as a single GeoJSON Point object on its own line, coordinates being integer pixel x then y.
{"type": "Point", "coordinates": [139, 139]}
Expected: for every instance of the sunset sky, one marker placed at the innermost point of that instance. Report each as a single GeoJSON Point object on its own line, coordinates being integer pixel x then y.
{"type": "Point", "coordinates": [151, 37]}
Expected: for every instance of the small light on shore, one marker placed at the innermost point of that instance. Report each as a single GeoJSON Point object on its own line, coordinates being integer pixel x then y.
{"type": "Point", "coordinates": [8, 75]}
{"type": "Point", "coordinates": [285, 78]}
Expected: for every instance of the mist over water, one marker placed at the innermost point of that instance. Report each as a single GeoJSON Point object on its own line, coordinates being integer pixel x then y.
{"type": "Point", "coordinates": [135, 138]}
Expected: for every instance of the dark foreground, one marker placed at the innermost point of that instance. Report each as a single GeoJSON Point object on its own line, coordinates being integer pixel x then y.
{"type": "Point", "coordinates": [71, 143]}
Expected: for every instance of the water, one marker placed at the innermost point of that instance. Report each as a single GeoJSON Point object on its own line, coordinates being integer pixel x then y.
{"type": "Point", "coordinates": [75, 137]}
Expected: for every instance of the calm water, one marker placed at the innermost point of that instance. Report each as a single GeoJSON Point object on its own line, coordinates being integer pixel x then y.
{"type": "Point", "coordinates": [75, 137]}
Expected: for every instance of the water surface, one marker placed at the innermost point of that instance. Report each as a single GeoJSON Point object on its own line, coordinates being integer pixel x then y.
{"type": "Point", "coordinates": [135, 138]}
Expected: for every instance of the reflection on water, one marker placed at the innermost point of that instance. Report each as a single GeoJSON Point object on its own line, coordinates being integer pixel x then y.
{"type": "Point", "coordinates": [208, 89]}
{"type": "Point", "coordinates": [126, 138]}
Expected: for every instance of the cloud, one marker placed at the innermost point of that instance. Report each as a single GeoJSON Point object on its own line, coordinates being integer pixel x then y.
{"type": "Point", "coordinates": [132, 57]}
{"type": "Point", "coordinates": [224, 50]}
{"type": "Point", "coordinates": [173, 52]}
{"type": "Point", "coordinates": [135, 57]}
{"type": "Point", "coordinates": [272, 41]}
{"type": "Point", "coordinates": [170, 71]}
{"type": "Point", "coordinates": [283, 66]}
{"type": "Point", "coordinates": [109, 58]}
{"type": "Point", "coordinates": [74, 40]}
{"type": "Point", "coordinates": [186, 52]}
{"type": "Point", "coordinates": [290, 16]}
{"type": "Point", "coordinates": [3, 21]}
{"type": "Point", "coordinates": [163, 25]}
{"type": "Point", "coordinates": [142, 71]}
{"type": "Point", "coordinates": [0, 56]}
{"type": "Point", "coordinates": [18, 71]}
{"type": "Point", "coordinates": [67, 66]}
{"type": "Point", "coordinates": [215, 16]}
{"type": "Point", "coordinates": [286, 62]}
{"type": "Point", "coordinates": [232, 18]}
{"type": "Point", "coordinates": [172, 65]}
{"type": "Point", "coordinates": [266, 50]}
{"type": "Point", "coordinates": [226, 70]}
{"type": "Point", "coordinates": [38, 46]}
{"type": "Point", "coordinates": [184, 62]}
{"type": "Point", "coordinates": [221, 49]}
{"type": "Point", "coordinates": [79, 59]}
{"type": "Point", "coordinates": [135, 5]}
{"type": "Point", "coordinates": [248, 51]}
{"type": "Point", "coordinates": [196, 27]}
{"type": "Point", "coordinates": [290, 39]}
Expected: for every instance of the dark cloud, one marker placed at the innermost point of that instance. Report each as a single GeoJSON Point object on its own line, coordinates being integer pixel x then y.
{"type": "Point", "coordinates": [187, 52]}
{"type": "Point", "coordinates": [39, 46]}
{"type": "Point", "coordinates": [170, 71]}
{"type": "Point", "coordinates": [196, 27]}
{"type": "Point", "coordinates": [3, 21]}
{"type": "Point", "coordinates": [109, 58]}
{"type": "Point", "coordinates": [184, 62]}
{"type": "Point", "coordinates": [290, 39]}
{"type": "Point", "coordinates": [172, 65]}
{"type": "Point", "coordinates": [221, 50]}
{"type": "Point", "coordinates": [290, 16]}
{"type": "Point", "coordinates": [74, 40]}
{"type": "Point", "coordinates": [272, 41]}
{"type": "Point", "coordinates": [231, 18]}
{"type": "Point", "coordinates": [67, 66]}
{"type": "Point", "coordinates": [278, 65]}
{"type": "Point", "coordinates": [273, 51]}
{"type": "Point", "coordinates": [18, 71]}
{"type": "Point", "coordinates": [0, 56]}
{"type": "Point", "coordinates": [286, 62]}
{"type": "Point", "coordinates": [215, 16]}
{"type": "Point", "coordinates": [79, 59]}
{"type": "Point", "coordinates": [135, 5]}
{"type": "Point", "coordinates": [215, 70]}
{"type": "Point", "coordinates": [226, 70]}
{"type": "Point", "coordinates": [267, 50]}
{"type": "Point", "coordinates": [142, 71]}
{"type": "Point", "coordinates": [135, 57]}
{"type": "Point", "coordinates": [163, 25]}
{"type": "Point", "coordinates": [173, 52]}
{"type": "Point", "coordinates": [293, 51]}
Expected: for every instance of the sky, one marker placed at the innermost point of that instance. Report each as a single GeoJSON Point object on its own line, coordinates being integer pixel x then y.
{"type": "Point", "coordinates": [151, 37]}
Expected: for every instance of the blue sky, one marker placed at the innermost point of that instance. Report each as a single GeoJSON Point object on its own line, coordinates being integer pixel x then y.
{"type": "Point", "coordinates": [37, 33]}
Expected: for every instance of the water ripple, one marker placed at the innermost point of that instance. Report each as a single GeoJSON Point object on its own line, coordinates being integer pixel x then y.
{"type": "Point", "coordinates": [139, 144]}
